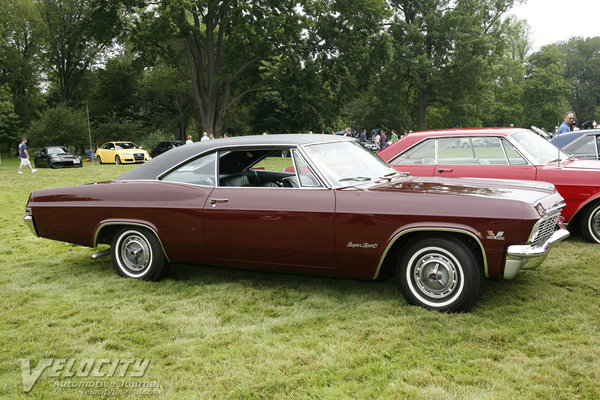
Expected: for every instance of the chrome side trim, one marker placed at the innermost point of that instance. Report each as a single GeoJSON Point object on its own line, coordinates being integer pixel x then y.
{"type": "Point", "coordinates": [432, 229]}
{"type": "Point", "coordinates": [127, 223]}
{"type": "Point", "coordinates": [28, 219]}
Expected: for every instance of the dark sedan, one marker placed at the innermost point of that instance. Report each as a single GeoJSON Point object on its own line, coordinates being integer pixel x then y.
{"type": "Point", "coordinates": [166, 146]}
{"type": "Point", "coordinates": [330, 208]}
{"type": "Point", "coordinates": [582, 144]}
{"type": "Point", "coordinates": [57, 157]}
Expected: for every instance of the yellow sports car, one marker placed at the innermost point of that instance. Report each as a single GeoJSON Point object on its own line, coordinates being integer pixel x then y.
{"type": "Point", "coordinates": [120, 153]}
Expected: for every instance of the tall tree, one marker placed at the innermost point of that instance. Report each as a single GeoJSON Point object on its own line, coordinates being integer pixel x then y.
{"type": "Point", "coordinates": [222, 43]}
{"type": "Point", "coordinates": [23, 36]}
{"type": "Point", "coordinates": [442, 49]}
{"type": "Point", "coordinates": [78, 31]}
{"type": "Point", "coordinates": [9, 132]}
{"type": "Point", "coordinates": [582, 71]}
{"type": "Point", "coordinates": [508, 69]}
{"type": "Point", "coordinates": [546, 91]}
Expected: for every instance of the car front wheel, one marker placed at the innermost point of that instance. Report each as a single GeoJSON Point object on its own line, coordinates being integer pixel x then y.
{"type": "Point", "coordinates": [439, 273]}
{"type": "Point", "coordinates": [137, 253]}
{"type": "Point", "coordinates": [117, 160]}
{"type": "Point", "coordinates": [590, 223]}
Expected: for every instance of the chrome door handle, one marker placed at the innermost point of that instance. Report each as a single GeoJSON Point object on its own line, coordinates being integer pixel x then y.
{"type": "Point", "coordinates": [214, 202]}
{"type": "Point", "coordinates": [445, 170]}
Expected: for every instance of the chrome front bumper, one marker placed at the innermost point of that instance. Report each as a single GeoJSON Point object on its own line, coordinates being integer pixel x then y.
{"type": "Point", "coordinates": [520, 257]}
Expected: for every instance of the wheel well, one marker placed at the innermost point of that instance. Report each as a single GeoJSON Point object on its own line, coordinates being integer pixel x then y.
{"type": "Point", "coordinates": [106, 232]}
{"type": "Point", "coordinates": [388, 266]}
{"type": "Point", "coordinates": [575, 222]}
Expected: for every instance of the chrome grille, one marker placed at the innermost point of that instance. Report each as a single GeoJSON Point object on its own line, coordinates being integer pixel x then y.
{"type": "Point", "coordinates": [545, 229]}
{"type": "Point", "coordinates": [138, 156]}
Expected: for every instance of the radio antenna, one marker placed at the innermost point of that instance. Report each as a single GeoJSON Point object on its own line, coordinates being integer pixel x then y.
{"type": "Point", "coordinates": [87, 110]}
{"type": "Point", "coordinates": [558, 147]}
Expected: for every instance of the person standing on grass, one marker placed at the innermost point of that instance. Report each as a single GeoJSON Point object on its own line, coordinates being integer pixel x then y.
{"type": "Point", "coordinates": [24, 156]}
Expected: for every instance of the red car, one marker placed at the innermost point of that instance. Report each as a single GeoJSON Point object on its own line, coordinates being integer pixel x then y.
{"type": "Point", "coordinates": [505, 154]}
{"type": "Point", "coordinates": [329, 207]}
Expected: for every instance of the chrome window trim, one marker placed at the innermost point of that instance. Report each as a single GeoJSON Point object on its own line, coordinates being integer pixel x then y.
{"type": "Point", "coordinates": [431, 229]}
{"type": "Point", "coordinates": [519, 152]}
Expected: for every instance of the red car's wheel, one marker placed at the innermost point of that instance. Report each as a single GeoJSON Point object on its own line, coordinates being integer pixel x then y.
{"type": "Point", "coordinates": [590, 223]}
{"type": "Point", "coordinates": [439, 273]}
{"type": "Point", "coordinates": [137, 253]}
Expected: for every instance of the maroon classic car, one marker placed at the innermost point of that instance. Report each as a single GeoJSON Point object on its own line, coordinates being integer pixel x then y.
{"type": "Point", "coordinates": [309, 204]}
{"type": "Point", "coordinates": [505, 153]}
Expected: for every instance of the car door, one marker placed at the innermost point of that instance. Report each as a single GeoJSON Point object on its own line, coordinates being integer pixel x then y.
{"type": "Point", "coordinates": [481, 157]}
{"type": "Point", "coordinates": [270, 227]}
{"type": "Point", "coordinates": [107, 153]}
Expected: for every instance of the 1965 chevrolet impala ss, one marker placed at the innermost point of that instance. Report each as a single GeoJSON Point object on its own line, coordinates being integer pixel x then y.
{"type": "Point", "coordinates": [308, 204]}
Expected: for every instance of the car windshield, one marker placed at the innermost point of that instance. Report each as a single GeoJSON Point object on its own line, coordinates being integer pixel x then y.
{"type": "Point", "coordinates": [57, 150]}
{"type": "Point", "coordinates": [348, 163]}
{"type": "Point", "coordinates": [538, 150]}
{"type": "Point", "coordinates": [125, 145]}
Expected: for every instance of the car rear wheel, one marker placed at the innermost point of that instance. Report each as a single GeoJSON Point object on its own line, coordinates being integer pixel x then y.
{"type": "Point", "coordinates": [439, 273]}
{"type": "Point", "coordinates": [117, 160]}
{"type": "Point", "coordinates": [590, 223]}
{"type": "Point", "coordinates": [137, 253]}
{"type": "Point", "coordinates": [98, 160]}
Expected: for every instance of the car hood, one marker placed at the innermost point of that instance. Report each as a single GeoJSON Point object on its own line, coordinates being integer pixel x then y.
{"type": "Point", "coordinates": [527, 191]}
{"type": "Point", "coordinates": [581, 164]}
{"type": "Point", "coordinates": [134, 150]}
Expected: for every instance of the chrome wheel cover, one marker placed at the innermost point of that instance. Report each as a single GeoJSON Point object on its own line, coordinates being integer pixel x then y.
{"type": "Point", "coordinates": [436, 275]}
{"type": "Point", "coordinates": [594, 223]}
{"type": "Point", "coordinates": [135, 253]}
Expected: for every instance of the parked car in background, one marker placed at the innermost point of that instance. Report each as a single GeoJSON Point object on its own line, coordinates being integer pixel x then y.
{"type": "Point", "coordinates": [57, 157]}
{"type": "Point", "coordinates": [332, 208]}
{"type": "Point", "coordinates": [166, 146]}
{"type": "Point", "coordinates": [120, 153]}
{"type": "Point", "coordinates": [508, 153]}
{"type": "Point", "coordinates": [584, 144]}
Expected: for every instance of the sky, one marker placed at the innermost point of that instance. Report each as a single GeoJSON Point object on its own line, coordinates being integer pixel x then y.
{"type": "Point", "coordinates": [558, 20]}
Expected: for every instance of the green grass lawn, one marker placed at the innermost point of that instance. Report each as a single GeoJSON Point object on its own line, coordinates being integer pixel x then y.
{"type": "Point", "coordinates": [212, 333]}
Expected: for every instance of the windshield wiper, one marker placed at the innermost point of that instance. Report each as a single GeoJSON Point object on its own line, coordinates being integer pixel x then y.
{"type": "Point", "coordinates": [355, 178]}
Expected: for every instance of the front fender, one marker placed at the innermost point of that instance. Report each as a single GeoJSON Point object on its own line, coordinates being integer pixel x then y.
{"type": "Point", "coordinates": [453, 228]}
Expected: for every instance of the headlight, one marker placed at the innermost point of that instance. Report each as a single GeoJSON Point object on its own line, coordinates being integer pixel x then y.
{"type": "Point", "coordinates": [128, 154]}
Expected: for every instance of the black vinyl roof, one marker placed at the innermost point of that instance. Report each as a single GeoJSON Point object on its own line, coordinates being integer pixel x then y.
{"type": "Point", "coordinates": [158, 165]}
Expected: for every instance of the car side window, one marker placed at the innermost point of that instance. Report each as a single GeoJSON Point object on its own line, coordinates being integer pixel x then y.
{"type": "Point", "coordinates": [488, 151]}
{"type": "Point", "coordinates": [457, 150]}
{"type": "Point", "coordinates": [307, 178]}
{"type": "Point", "coordinates": [422, 153]}
{"type": "Point", "coordinates": [584, 147]}
{"type": "Point", "coordinates": [514, 158]}
{"type": "Point", "coordinates": [200, 171]}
